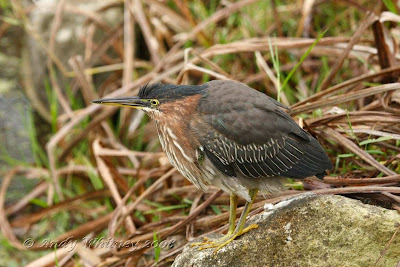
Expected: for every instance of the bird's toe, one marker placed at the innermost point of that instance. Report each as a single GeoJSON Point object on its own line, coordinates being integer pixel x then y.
{"type": "Point", "coordinates": [223, 241]}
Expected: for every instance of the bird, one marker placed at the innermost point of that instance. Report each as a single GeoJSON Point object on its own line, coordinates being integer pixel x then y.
{"type": "Point", "coordinates": [229, 135]}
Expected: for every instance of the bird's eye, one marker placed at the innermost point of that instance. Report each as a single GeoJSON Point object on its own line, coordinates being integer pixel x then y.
{"type": "Point", "coordinates": [154, 102]}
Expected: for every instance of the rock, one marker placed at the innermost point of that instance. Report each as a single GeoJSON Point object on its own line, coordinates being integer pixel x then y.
{"type": "Point", "coordinates": [312, 230]}
{"type": "Point", "coordinates": [15, 143]}
{"type": "Point", "coordinates": [69, 39]}
{"type": "Point", "coordinates": [15, 116]}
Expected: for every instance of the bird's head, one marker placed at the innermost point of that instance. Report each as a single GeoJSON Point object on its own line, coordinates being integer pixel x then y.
{"type": "Point", "coordinates": [159, 99]}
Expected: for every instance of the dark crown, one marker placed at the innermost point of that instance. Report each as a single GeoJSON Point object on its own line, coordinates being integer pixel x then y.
{"type": "Point", "coordinates": [169, 92]}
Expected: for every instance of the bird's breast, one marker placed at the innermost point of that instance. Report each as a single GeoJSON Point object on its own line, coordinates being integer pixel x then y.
{"type": "Point", "coordinates": [173, 146]}
{"type": "Point", "coordinates": [180, 153]}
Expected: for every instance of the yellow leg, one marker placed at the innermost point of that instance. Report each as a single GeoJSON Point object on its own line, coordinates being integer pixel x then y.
{"type": "Point", "coordinates": [232, 213]}
{"type": "Point", "coordinates": [232, 232]}
{"type": "Point", "coordinates": [233, 200]}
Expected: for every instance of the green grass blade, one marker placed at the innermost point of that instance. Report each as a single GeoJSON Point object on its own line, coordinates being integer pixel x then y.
{"type": "Point", "coordinates": [157, 248]}
{"type": "Point", "coordinates": [276, 65]}
{"type": "Point", "coordinates": [390, 6]}
{"type": "Point", "coordinates": [380, 139]}
{"type": "Point", "coordinates": [303, 57]}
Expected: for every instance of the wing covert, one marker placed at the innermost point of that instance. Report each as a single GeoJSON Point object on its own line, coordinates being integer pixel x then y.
{"type": "Point", "coordinates": [289, 157]}
{"type": "Point", "coordinates": [257, 138]}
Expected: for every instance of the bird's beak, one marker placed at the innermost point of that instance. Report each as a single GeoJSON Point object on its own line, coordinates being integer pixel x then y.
{"type": "Point", "coordinates": [133, 102]}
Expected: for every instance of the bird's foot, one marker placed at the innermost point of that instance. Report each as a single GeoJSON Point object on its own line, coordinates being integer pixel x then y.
{"type": "Point", "coordinates": [221, 242]}
{"type": "Point", "coordinates": [206, 241]}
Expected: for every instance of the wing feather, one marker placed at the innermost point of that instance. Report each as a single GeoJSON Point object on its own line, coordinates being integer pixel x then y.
{"type": "Point", "coordinates": [257, 139]}
{"type": "Point", "coordinates": [288, 157]}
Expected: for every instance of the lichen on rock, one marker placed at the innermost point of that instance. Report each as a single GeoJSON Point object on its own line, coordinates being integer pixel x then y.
{"type": "Point", "coordinates": [312, 230]}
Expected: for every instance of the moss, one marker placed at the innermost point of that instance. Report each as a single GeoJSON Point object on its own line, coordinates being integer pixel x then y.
{"type": "Point", "coordinates": [310, 231]}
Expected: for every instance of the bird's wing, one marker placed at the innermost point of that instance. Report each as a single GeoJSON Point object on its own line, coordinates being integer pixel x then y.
{"type": "Point", "coordinates": [289, 156]}
{"type": "Point", "coordinates": [261, 141]}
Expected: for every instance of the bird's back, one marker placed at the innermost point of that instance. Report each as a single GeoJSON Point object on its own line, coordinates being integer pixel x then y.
{"type": "Point", "coordinates": [248, 133]}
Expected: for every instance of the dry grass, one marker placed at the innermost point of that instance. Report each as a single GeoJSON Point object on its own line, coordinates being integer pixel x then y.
{"type": "Point", "coordinates": [345, 93]}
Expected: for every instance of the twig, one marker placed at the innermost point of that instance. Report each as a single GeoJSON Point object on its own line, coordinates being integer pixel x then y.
{"type": "Point", "coordinates": [358, 151]}
{"type": "Point", "coordinates": [387, 246]}
{"type": "Point", "coordinates": [346, 97]}
{"type": "Point", "coordinates": [360, 181]}
{"type": "Point", "coordinates": [121, 214]}
{"type": "Point", "coordinates": [4, 224]}
{"type": "Point", "coordinates": [53, 76]}
{"type": "Point", "coordinates": [369, 20]}
{"type": "Point", "coordinates": [106, 174]}
{"type": "Point", "coordinates": [151, 41]}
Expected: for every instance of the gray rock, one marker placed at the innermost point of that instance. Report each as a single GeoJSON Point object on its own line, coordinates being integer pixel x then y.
{"type": "Point", "coordinates": [15, 142]}
{"type": "Point", "coordinates": [309, 231]}
{"type": "Point", "coordinates": [15, 115]}
{"type": "Point", "coordinates": [68, 39]}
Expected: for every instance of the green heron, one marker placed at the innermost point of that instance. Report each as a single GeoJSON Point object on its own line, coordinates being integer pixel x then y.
{"type": "Point", "coordinates": [226, 134]}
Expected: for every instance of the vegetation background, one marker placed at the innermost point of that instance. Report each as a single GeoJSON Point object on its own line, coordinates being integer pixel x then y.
{"type": "Point", "coordinates": [99, 174]}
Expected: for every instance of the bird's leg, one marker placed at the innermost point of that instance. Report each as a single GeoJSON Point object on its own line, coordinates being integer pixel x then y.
{"type": "Point", "coordinates": [233, 200]}
{"type": "Point", "coordinates": [232, 213]}
{"type": "Point", "coordinates": [238, 231]}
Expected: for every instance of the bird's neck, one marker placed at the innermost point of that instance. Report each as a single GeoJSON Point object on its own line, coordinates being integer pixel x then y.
{"type": "Point", "coordinates": [173, 123]}
{"type": "Point", "coordinates": [177, 113]}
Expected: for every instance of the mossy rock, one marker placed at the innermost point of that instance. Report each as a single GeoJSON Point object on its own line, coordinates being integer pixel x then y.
{"type": "Point", "coordinates": [312, 230]}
